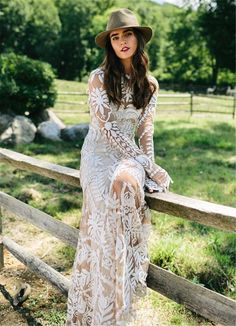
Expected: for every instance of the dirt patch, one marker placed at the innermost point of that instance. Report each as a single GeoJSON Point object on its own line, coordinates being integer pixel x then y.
{"type": "Point", "coordinates": [45, 304]}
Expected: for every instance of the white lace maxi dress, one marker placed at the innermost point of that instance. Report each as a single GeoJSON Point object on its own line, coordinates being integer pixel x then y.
{"type": "Point", "coordinates": [111, 260]}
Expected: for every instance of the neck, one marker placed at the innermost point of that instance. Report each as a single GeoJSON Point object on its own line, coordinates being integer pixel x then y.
{"type": "Point", "coordinates": [127, 65]}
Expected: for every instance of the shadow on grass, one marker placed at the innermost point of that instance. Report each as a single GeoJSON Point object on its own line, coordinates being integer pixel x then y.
{"type": "Point", "coordinates": [47, 147]}
{"type": "Point", "coordinates": [218, 136]}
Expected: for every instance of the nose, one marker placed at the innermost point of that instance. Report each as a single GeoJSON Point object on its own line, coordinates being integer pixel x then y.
{"type": "Point", "coordinates": [123, 39]}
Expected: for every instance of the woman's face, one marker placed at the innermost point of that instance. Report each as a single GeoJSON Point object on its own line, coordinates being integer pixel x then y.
{"type": "Point", "coordinates": [124, 43]}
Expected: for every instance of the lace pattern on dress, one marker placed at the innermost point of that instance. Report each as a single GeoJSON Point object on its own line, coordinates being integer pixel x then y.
{"type": "Point", "coordinates": [111, 260]}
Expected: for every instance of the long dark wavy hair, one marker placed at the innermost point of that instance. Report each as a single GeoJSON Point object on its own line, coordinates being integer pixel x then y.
{"type": "Point", "coordinates": [142, 88]}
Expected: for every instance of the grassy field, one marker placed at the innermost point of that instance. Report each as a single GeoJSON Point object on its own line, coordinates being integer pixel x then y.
{"type": "Point", "coordinates": [199, 154]}
{"type": "Point", "coordinates": [169, 101]}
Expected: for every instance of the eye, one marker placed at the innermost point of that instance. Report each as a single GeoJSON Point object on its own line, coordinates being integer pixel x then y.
{"type": "Point", "coordinates": [129, 33]}
{"type": "Point", "coordinates": [114, 38]}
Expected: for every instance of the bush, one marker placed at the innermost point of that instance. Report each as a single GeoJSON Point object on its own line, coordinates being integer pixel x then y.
{"type": "Point", "coordinates": [25, 85]}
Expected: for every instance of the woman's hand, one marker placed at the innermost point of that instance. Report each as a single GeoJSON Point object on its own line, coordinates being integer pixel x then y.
{"type": "Point", "coordinates": [151, 186]}
{"type": "Point", "coordinates": [154, 171]}
{"type": "Point", "coordinates": [161, 177]}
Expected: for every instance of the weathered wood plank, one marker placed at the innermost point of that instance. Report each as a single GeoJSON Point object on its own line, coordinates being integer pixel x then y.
{"type": "Point", "coordinates": [1, 244]}
{"type": "Point", "coordinates": [53, 171]}
{"type": "Point", "coordinates": [199, 299]}
{"type": "Point", "coordinates": [38, 266]}
{"type": "Point", "coordinates": [58, 229]}
{"type": "Point", "coordinates": [210, 214]}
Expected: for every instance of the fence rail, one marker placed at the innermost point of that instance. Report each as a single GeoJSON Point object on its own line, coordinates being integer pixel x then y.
{"type": "Point", "coordinates": [194, 103]}
{"type": "Point", "coordinates": [197, 298]}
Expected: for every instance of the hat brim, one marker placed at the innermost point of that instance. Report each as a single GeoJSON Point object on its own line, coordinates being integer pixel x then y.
{"type": "Point", "coordinates": [101, 38]}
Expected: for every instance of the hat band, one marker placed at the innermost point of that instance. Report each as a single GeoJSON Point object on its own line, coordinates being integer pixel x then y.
{"type": "Point", "coordinates": [109, 28]}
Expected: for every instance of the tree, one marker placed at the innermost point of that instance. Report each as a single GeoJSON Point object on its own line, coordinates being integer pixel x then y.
{"type": "Point", "coordinates": [187, 56]}
{"type": "Point", "coordinates": [14, 16]}
{"type": "Point", "coordinates": [29, 27]}
{"type": "Point", "coordinates": [217, 22]}
{"type": "Point", "coordinates": [75, 47]}
{"type": "Point", "coordinates": [25, 85]}
{"type": "Point", "coordinates": [94, 54]}
{"type": "Point", "coordinates": [42, 30]}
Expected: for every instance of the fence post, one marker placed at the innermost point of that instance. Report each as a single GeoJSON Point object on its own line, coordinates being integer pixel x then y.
{"type": "Point", "coordinates": [234, 107]}
{"type": "Point", "coordinates": [1, 244]}
{"type": "Point", "coordinates": [191, 103]}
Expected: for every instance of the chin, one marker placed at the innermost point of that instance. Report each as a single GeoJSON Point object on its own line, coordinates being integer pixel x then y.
{"type": "Point", "coordinates": [126, 56]}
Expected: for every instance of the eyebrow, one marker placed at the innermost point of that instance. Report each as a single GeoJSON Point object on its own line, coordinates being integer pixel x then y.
{"type": "Point", "coordinates": [126, 30]}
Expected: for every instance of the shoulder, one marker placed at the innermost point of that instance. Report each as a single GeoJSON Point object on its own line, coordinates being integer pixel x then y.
{"type": "Point", "coordinates": [97, 75]}
{"type": "Point", "coordinates": [154, 81]}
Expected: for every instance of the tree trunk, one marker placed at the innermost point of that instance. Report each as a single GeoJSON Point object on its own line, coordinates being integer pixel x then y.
{"type": "Point", "coordinates": [215, 70]}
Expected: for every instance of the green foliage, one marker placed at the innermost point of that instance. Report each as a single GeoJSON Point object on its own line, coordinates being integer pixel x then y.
{"type": "Point", "coordinates": [53, 317]}
{"type": "Point", "coordinates": [217, 21]}
{"type": "Point", "coordinates": [75, 44]}
{"type": "Point", "coordinates": [25, 84]}
{"type": "Point", "coordinates": [14, 16]}
{"type": "Point", "coordinates": [187, 57]}
{"type": "Point", "coordinates": [29, 27]}
{"type": "Point", "coordinates": [226, 77]}
{"type": "Point", "coordinates": [186, 46]}
{"type": "Point", "coordinates": [68, 254]}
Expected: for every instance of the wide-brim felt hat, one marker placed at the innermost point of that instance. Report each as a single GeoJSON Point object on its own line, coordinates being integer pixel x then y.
{"type": "Point", "coordinates": [122, 18]}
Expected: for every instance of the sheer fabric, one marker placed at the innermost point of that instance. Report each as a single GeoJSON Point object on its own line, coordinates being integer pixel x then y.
{"type": "Point", "coordinates": [111, 260]}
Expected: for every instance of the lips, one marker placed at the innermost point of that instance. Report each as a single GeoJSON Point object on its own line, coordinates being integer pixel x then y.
{"type": "Point", "coordinates": [124, 49]}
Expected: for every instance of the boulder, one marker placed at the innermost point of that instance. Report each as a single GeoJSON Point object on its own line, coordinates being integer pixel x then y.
{"type": "Point", "coordinates": [20, 130]}
{"type": "Point", "coordinates": [75, 132]}
{"type": "Point", "coordinates": [46, 115]}
{"type": "Point", "coordinates": [53, 117]}
{"type": "Point", "coordinates": [49, 130]}
{"type": "Point", "coordinates": [5, 120]}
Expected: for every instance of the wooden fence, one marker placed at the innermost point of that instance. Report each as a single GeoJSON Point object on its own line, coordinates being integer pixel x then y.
{"type": "Point", "coordinates": [188, 102]}
{"type": "Point", "coordinates": [209, 304]}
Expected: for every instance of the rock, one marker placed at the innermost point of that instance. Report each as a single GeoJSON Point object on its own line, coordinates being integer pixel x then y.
{"type": "Point", "coordinates": [75, 132]}
{"type": "Point", "coordinates": [47, 115]}
{"type": "Point", "coordinates": [20, 130]}
{"type": "Point", "coordinates": [51, 126]}
{"type": "Point", "coordinates": [5, 120]}
{"type": "Point", "coordinates": [53, 117]}
{"type": "Point", "coordinates": [22, 292]}
{"type": "Point", "coordinates": [49, 130]}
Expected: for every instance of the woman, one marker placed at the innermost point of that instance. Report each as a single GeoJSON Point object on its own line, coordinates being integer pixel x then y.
{"type": "Point", "coordinates": [111, 261]}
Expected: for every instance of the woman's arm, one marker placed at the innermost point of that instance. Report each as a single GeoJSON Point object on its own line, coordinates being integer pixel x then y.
{"type": "Point", "coordinates": [99, 105]}
{"type": "Point", "coordinates": [145, 127]}
{"type": "Point", "coordinates": [145, 131]}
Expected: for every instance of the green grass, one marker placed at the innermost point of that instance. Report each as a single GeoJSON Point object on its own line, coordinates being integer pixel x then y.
{"type": "Point", "coordinates": [71, 113]}
{"type": "Point", "coordinates": [50, 311]}
{"type": "Point", "coordinates": [54, 317]}
{"type": "Point", "coordinates": [174, 313]}
{"type": "Point", "coordinates": [199, 154]}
